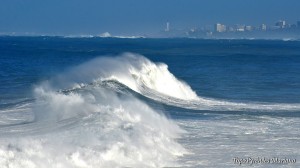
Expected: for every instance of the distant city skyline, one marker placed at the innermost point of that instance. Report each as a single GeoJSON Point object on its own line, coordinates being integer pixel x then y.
{"type": "Point", "coordinates": [279, 30]}
{"type": "Point", "coordinates": [131, 17]}
{"type": "Point", "coordinates": [280, 24]}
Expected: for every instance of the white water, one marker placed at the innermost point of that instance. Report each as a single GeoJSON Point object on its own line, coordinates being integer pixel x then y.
{"type": "Point", "coordinates": [155, 81]}
{"type": "Point", "coordinates": [215, 142]}
{"type": "Point", "coordinates": [90, 129]}
{"type": "Point", "coordinates": [93, 127]}
{"type": "Point", "coordinates": [132, 70]}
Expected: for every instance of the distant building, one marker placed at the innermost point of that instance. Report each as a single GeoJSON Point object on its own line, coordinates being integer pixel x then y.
{"type": "Point", "coordinates": [248, 28]}
{"type": "Point", "coordinates": [220, 28]}
{"type": "Point", "coordinates": [263, 27]}
{"type": "Point", "coordinates": [281, 24]}
{"type": "Point", "coordinates": [240, 28]}
{"type": "Point", "coordinates": [167, 27]}
{"type": "Point", "coordinates": [298, 24]}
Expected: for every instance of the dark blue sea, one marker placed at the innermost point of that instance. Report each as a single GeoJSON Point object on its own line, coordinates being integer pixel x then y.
{"type": "Point", "coordinates": [118, 102]}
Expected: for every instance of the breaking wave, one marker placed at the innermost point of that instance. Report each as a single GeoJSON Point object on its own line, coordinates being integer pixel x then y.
{"type": "Point", "coordinates": [89, 116]}
{"type": "Point", "coordinates": [155, 81]}
{"type": "Point", "coordinates": [87, 127]}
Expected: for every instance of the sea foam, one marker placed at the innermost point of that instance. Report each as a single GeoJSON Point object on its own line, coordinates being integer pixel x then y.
{"type": "Point", "coordinates": [89, 127]}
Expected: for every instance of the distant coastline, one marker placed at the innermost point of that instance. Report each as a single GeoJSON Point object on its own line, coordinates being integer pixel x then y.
{"type": "Point", "coordinates": [142, 37]}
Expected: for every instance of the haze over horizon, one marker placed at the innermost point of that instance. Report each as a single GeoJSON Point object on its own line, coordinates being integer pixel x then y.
{"type": "Point", "coordinates": [130, 17]}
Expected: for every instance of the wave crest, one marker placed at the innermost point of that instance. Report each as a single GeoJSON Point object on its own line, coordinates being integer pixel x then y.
{"type": "Point", "coordinates": [91, 125]}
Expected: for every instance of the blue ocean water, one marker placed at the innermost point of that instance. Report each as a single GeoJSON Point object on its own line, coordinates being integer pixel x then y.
{"type": "Point", "coordinates": [113, 102]}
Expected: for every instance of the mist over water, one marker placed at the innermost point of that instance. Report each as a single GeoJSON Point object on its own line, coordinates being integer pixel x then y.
{"type": "Point", "coordinates": [91, 127]}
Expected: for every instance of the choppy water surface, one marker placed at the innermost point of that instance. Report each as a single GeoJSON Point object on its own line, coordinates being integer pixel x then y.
{"type": "Point", "coordinates": [97, 102]}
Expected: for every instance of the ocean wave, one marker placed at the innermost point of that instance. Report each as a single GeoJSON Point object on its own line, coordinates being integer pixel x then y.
{"type": "Point", "coordinates": [87, 127]}
{"type": "Point", "coordinates": [82, 113]}
{"type": "Point", "coordinates": [156, 82]}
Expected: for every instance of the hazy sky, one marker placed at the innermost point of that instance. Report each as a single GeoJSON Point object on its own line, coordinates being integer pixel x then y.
{"type": "Point", "coordinates": [125, 17]}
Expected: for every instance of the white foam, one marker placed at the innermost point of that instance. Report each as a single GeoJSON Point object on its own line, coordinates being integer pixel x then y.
{"type": "Point", "coordinates": [215, 142]}
{"type": "Point", "coordinates": [134, 71]}
{"type": "Point", "coordinates": [155, 81]}
{"type": "Point", "coordinates": [93, 127]}
{"type": "Point", "coordinates": [157, 78]}
{"type": "Point", "coordinates": [105, 34]}
{"type": "Point", "coordinates": [108, 132]}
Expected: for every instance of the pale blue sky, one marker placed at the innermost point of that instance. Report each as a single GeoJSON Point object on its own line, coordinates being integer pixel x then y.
{"type": "Point", "coordinates": [125, 17]}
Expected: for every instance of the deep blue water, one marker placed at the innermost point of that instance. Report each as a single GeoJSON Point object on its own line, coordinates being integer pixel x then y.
{"type": "Point", "coordinates": [240, 70]}
{"type": "Point", "coordinates": [247, 102]}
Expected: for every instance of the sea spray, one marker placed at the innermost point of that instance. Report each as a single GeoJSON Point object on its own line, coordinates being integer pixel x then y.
{"type": "Point", "coordinates": [89, 127]}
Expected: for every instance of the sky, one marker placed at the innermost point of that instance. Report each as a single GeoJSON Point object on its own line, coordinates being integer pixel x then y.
{"type": "Point", "coordinates": [137, 17]}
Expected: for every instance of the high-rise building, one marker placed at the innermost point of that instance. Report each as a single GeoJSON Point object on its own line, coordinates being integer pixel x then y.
{"type": "Point", "coordinates": [167, 27]}
{"type": "Point", "coordinates": [281, 24]}
{"type": "Point", "coordinates": [220, 27]}
{"type": "Point", "coordinates": [298, 24]}
{"type": "Point", "coordinates": [263, 27]}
